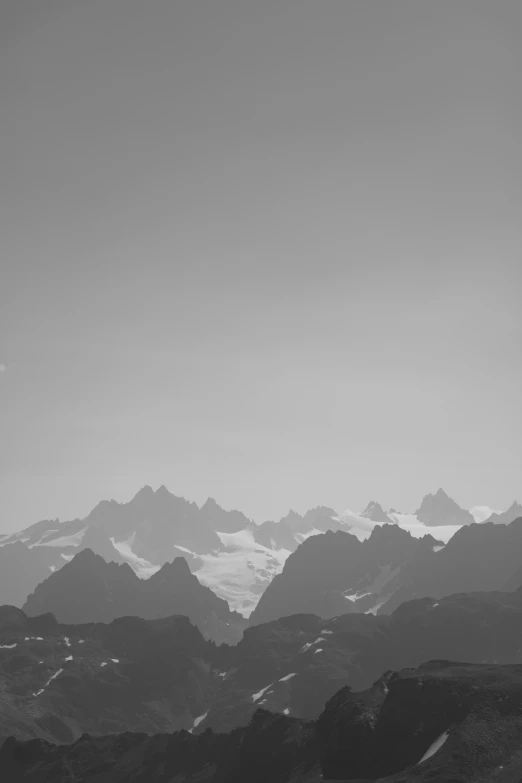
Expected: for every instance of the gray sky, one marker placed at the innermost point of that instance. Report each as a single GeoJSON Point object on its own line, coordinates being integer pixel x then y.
{"type": "Point", "coordinates": [264, 251]}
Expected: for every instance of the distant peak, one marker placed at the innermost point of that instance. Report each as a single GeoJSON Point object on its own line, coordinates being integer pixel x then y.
{"type": "Point", "coordinates": [144, 491]}
{"type": "Point", "coordinates": [375, 512]}
{"type": "Point", "coordinates": [179, 568]}
{"type": "Point", "coordinates": [86, 555]}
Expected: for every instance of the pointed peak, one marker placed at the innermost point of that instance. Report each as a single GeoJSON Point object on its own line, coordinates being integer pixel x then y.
{"type": "Point", "coordinates": [177, 568]}
{"type": "Point", "coordinates": [375, 512]}
{"type": "Point", "coordinates": [210, 503]}
{"type": "Point", "coordinates": [144, 492]}
{"type": "Point", "coordinates": [86, 556]}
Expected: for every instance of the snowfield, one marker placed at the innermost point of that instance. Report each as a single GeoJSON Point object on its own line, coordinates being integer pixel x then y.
{"type": "Point", "coordinates": [241, 571]}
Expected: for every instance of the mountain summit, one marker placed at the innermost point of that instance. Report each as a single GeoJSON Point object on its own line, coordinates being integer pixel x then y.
{"type": "Point", "coordinates": [440, 509]}
{"type": "Point", "coordinates": [375, 512]}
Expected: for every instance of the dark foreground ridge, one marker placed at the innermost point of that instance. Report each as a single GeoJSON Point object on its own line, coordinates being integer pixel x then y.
{"type": "Point", "coordinates": [440, 722]}
{"type": "Point", "coordinates": [59, 681]}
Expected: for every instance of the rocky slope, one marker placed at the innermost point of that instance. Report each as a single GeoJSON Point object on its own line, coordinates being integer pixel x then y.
{"type": "Point", "coordinates": [90, 590]}
{"type": "Point", "coordinates": [441, 722]}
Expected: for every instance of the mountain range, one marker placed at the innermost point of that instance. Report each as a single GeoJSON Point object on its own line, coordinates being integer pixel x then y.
{"type": "Point", "coordinates": [89, 590]}
{"type": "Point", "coordinates": [380, 645]}
{"type": "Point", "coordinates": [232, 555]}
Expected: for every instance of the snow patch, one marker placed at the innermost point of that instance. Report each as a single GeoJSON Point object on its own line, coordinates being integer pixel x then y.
{"type": "Point", "coordinates": [435, 746]}
{"type": "Point", "coordinates": [319, 649]}
{"type": "Point", "coordinates": [75, 539]}
{"type": "Point", "coordinates": [142, 567]}
{"type": "Point", "coordinates": [286, 711]}
{"type": "Point", "coordinates": [66, 640]}
{"type": "Point", "coordinates": [256, 696]}
{"type": "Point", "coordinates": [69, 658]}
{"type": "Point", "coordinates": [49, 681]}
{"type": "Point", "coordinates": [199, 720]}
{"type": "Point", "coordinates": [8, 646]}
{"type": "Point", "coordinates": [104, 663]}
{"type": "Point", "coordinates": [115, 660]}
{"type": "Point", "coordinates": [287, 677]}
{"type": "Point", "coordinates": [376, 608]}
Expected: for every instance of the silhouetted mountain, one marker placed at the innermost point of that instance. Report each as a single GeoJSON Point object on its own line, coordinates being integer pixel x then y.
{"type": "Point", "coordinates": [508, 516]}
{"type": "Point", "coordinates": [90, 590]}
{"type": "Point", "coordinates": [479, 557]}
{"type": "Point", "coordinates": [441, 722]}
{"type": "Point", "coordinates": [335, 573]}
{"type": "Point", "coordinates": [439, 509]}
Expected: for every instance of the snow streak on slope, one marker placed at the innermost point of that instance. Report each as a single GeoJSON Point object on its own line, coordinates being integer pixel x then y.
{"type": "Point", "coordinates": [143, 568]}
{"type": "Point", "coordinates": [75, 539]}
{"type": "Point", "coordinates": [241, 571]}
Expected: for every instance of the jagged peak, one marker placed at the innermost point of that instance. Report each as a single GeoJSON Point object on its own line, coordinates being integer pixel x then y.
{"type": "Point", "coordinates": [178, 567]}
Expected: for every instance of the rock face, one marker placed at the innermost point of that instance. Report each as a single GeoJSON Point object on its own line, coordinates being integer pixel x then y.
{"type": "Point", "coordinates": [336, 573]}
{"type": "Point", "coordinates": [439, 509]}
{"type": "Point", "coordinates": [464, 720]}
{"type": "Point", "coordinates": [90, 590]}
{"type": "Point", "coordinates": [441, 722]}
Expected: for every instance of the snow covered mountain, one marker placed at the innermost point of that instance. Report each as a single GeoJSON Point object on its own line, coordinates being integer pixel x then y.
{"type": "Point", "coordinates": [231, 554]}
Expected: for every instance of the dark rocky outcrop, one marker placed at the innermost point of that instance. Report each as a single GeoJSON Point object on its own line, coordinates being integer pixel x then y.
{"type": "Point", "coordinates": [443, 722]}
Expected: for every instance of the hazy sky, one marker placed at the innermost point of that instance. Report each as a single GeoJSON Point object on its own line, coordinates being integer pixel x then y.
{"type": "Point", "coordinates": [262, 250]}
